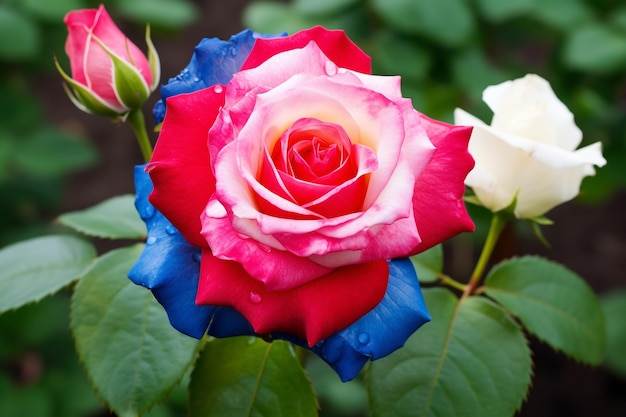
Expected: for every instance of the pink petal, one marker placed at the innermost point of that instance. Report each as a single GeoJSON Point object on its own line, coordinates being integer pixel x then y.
{"type": "Point", "coordinates": [278, 269]}
{"type": "Point", "coordinates": [438, 205]}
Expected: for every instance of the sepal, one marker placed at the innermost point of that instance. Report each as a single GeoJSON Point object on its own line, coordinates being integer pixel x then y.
{"type": "Point", "coordinates": [85, 99]}
{"type": "Point", "coordinates": [153, 61]}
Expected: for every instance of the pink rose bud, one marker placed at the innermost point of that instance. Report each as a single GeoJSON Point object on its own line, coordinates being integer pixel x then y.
{"type": "Point", "coordinates": [110, 74]}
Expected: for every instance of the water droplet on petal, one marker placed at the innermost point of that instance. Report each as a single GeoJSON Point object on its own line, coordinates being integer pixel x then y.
{"type": "Point", "coordinates": [147, 212]}
{"type": "Point", "coordinates": [218, 89]}
{"type": "Point", "coordinates": [330, 68]}
{"type": "Point", "coordinates": [151, 240]}
{"type": "Point", "coordinates": [364, 338]}
{"type": "Point", "coordinates": [233, 51]}
{"type": "Point", "coordinates": [196, 256]}
{"type": "Point", "coordinates": [170, 229]}
{"type": "Point", "coordinates": [255, 297]}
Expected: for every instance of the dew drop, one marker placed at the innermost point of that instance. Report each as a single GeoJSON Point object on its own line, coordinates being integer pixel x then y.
{"type": "Point", "coordinates": [170, 229]}
{"type": "Point", "coordinates": [151, 240]}
{"type": "Point", "coordinates": [330, 68]}
{"type": "Point", "coordinates": [364, 338]}
{"type": "Point", "coordinates": [255, 297]}
{"type": "Point", "coordinates": [147, 212]}
{"type": "Point", "coordinates": [196, 256]}
{"type": "Point", "coordinates": [218, 89]}
{"type": "Point", "coordinates": [233, 51]}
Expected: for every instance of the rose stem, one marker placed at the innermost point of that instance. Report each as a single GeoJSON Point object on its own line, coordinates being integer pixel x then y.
{"type": "Point", "coordinates": [138, 124]}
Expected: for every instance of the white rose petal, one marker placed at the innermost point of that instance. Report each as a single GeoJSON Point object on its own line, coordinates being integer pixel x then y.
{"type": "Point", "coordinates": [529, 150]}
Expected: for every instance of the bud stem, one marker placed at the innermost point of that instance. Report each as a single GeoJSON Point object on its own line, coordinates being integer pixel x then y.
{"type": "Point", "coordinates": [138, 124]}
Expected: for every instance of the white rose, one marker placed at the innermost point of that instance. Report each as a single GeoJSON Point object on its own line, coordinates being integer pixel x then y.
{"type": "Point", "coordinates": [529, 150]}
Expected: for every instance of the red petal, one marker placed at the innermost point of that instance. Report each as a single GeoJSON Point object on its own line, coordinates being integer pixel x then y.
{"type": "Point", "coordinates": [438, 205]}
{"type": "Point", "coordinates": [312, 311]}
{"type": "Point", "coordinates": [180, 167]}
{"type": "Point", "coordinates": [334, 43]}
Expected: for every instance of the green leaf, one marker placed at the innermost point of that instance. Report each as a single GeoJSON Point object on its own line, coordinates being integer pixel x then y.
{"type": "Point", "coordinates": [171, 14]}
{"type": "Point", "coordinates": [245, 376]}
{"type": "Point", "coordinates": [336, 398]}
{"type": "Point", "coordinates": [320, 7]}
{"type": "Point", "coordinates": [19, 36]}
{"type": "Point", "coordinates": [51, 152]}
{"type": "Point", "coordinates": [595, 48]}
{"type": "Point", "coordinates": [565, 15]}
{"type": "Point", "coordinates": [428, 264]}
{"type": "Point", "coordinates": [132, 354]}
{"type": "Point", "coordinates": [553, 303]}
{"type": "Point", "coordinates": [272, 17]}
{"type": "Point", "coordinates": [35, 268]}
{"type": "Point", "coordinates": [498, 11]}
{"type": "Point", "coordinates": [397, 55]}
{"type": "Point", "coordinates": [448, 22]}
{"type": "Point", "coordinates": [614, 308]}
{"type": "Point", "coordinates": [115, 218]}
{"type": "Point", "coordinates": [472, 360]}
{"type": "Point", "coordinates": [473, 71]}
{"type": "Point", "coordinates": [51, 11]}
{"type": "Point", "coordinates": [618, 18]}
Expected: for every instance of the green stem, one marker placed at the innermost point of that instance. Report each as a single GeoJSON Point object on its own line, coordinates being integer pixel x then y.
{"type": "Point", "coordinates": [498, 222]}
{"type": "Point", "coordinates": [446, 280]}
{"type": "Point", "coordinates": [138, 124]}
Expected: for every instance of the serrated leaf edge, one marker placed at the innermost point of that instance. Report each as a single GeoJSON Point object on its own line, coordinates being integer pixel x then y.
{"type": "Point", "coordinates": [486, 289]}
{"type": "Point", "coordinates": [90, 377]}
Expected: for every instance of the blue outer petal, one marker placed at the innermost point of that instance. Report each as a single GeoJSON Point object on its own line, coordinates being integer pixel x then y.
{"type": "Point", "coordinates": [214, 61]}
{"type": "Point", "coordinates": [170, 267]}
{"type": "Point", "coordinates": [381, 331]}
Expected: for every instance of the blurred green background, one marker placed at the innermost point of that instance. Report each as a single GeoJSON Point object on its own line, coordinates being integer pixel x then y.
{"type": "Point", "coordinates": [53, 158]}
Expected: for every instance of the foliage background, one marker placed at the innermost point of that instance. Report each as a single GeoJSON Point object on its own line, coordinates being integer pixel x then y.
{"type": "Point", "coordinates": [54, 159]}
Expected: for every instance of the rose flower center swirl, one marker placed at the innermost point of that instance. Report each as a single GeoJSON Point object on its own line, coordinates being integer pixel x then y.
{"type": "Point", "coordinates": [312, 160]}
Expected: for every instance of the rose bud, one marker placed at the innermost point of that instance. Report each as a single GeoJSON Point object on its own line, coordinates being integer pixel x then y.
{"type": "Point", "coordinates": [110, 74]}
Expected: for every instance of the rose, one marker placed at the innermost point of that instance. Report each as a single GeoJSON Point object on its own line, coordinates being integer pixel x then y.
{"type": "Point", "coordinates": [282, 224]}
{"type": "Point", "coordinates": [298, 179]}
{"type": "Point", "coordinates": [110, 75]}
{"type": "Point", "coordinates": [528, 153]}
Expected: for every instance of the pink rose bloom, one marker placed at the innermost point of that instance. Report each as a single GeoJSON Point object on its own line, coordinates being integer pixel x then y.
{"type": "Point", "coordinates": [300, 178]}
{"type": "Point", "coordinates": [109, 74]}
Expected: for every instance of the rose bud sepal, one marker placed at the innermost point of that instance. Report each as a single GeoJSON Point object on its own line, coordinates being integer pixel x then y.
{"type": "Point", "coordinates": [86, 100]}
